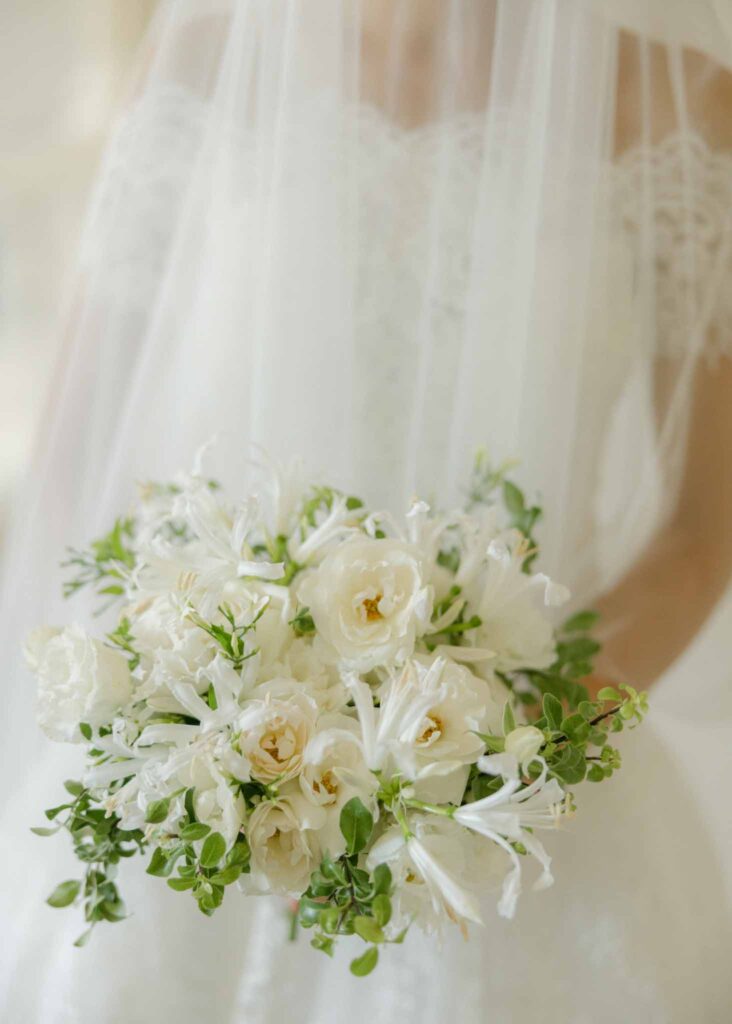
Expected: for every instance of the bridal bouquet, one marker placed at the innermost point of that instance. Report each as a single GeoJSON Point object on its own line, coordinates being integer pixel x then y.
{"type": "Point", "coordinates": [374, 717]}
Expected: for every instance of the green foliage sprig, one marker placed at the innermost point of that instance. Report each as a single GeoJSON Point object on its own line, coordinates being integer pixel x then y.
{"type": "Point", "coordinates": [344, 899]}
{"type": "Point", "coordinates": [576, 744]}
{"type": "Point", "coordinates": [205, 869]}
{"type": "Point", "coordinates": [100, 844]}
{"type": "Point", "coordinates": [123, 639]}
{"type": "Point", "coordinates": [303, 623]}
{"type": "Point", "coordinates": [231, 636]}
{"type": "Point", "coordinates": [576, 651]}
{"type": "Point", "coordinates": [105, 564]}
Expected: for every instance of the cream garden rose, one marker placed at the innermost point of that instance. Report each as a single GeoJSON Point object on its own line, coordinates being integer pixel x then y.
{"type": "Point", "coordinates": [284, 842]}
{"type": "Point", "coordinates": [369, 601]}
{"type": "Point", "coordinates": [333, 772]}
{"type": "Point", "coordinates": [273, 735]}
{"type": "Point", "coordinates": [79, 680]}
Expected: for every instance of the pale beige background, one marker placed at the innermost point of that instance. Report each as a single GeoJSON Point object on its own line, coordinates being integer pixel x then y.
{"type": "Point", "coordinates": [63, 65]}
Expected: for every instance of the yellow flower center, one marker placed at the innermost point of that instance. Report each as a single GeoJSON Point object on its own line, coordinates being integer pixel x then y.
{"type": "Point", "coordinates": [327, 782]}
{"type": "Point", "coordinates": [370, 606]}
{"type": "Point", "coordinates": [432, 731]}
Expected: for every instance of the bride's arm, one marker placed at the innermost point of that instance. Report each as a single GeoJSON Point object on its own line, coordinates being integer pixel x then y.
{"type": "Point", "coordinates": [659, 606]}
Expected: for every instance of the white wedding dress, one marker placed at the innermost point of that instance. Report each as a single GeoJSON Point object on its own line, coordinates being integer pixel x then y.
{"type": "Point", "coordinates": [274, 255]}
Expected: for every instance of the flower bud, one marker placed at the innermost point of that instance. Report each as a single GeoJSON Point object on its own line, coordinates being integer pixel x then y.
{"type": "Point", "coordinates": [524, 743]}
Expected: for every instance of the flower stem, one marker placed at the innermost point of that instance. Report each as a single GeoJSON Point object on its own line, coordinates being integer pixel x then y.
{"type": "Point", "coordinates": [447, 810]}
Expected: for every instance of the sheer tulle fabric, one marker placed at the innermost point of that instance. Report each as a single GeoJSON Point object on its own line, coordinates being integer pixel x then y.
{"type": "Point", "coordinates": [375, 236]}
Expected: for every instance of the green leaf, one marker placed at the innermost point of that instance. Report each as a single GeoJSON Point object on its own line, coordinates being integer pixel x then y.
{"type": "Point", "coordinates": [569, 766]}
{"type": "Point", "coordinates": [188, 804]}
{"type": "Point", "coordinates": [496, 744]}
{"type": "Point", "coordinates": [587, 709]}
{"type": "Point", "coordinates": [332, 870]}
{"type": "Point", "coordinates": [509, 722]}
{"type": "Point", "coordinates": [238, 854]}
{"type": "Point", "coordinates": [303, 623]}
{"type": "Point", "coordinates": [553, 711]}
{"type": "Point", "coordinates": [309, 912]}
{"type": "Point", "coordinates": [575, 727]}
{"type": "Point", "coordinates": [323, 943]}
{"type": "Point", "coordinates": [194, 830]}
{"type": "Point", "coordinates": [356, 825]}
{"type": "Point", "coordinates": [181, 884]}
{"type": "Point", "coordinates": [39, 830]}
{"type": "Point", "coordinates": [581, 622]}
{"type": "Point", "coordinates": [83, 938]}
{"type": "Point", "coordinates": [213, 850]}
{"type": "Point", "coordinates": [157, 811]}
{"type": "Point", "coordinates": [513, 498]}
{"type": "Point", "coordinates": [113, 910]}
{"type": "Point", "coordinates": [85, 730]}
{"type": "Point", "coordinates": [578, 649]}
{"type": "Point", "coordinates": [227, 876]}
{"type": "Point", "coordinates": [381, 909]}
{"type": "Point", "coordinates": [53, 812]}
{"type": "Point", "coordinates": [328, 919]}
{"type": "Point", "coordinates": [160, 864]}
{"type": "Point", "coordinates": [382, 879]}
{"type": "Point", "coordinates": [368, 929]}
{"type": "Point", "coordinates": [595, 774]}
{"type": "Point", "coordinates": [365, 963]}
{"type": "Point", "coordinates": [609, 693]}
{"type": "Point", "coordinates": [64, 894]}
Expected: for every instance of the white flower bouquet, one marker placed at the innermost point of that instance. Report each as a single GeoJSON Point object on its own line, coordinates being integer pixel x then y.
{"type": "Point", "coordinates": [374, 718]}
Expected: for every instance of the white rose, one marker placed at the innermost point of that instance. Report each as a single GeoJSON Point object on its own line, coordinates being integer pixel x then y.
{"type": "Point", "coordinates": [524, 743]}
{"type": "Point", "coordinates": [79, 680]}
{"type": "Point", "coordinates": [334, 771]}
{"type": "Point", "coordinates": [284, 842]}
{"type": "Point", "coordinates": [273, 735]}
{"type": "Point", "coordinates": [308, 672]}
{"type": "Point", "coordinates": [369, 601]}
{"type": "Point", "coordinates": [512, 608]}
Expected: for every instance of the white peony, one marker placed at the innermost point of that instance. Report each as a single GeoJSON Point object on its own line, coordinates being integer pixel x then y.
{"type": "Point", "coordinates": [369, 602]}
{"type": "Point", "coordinates": [79, 680]}
{"type": "Point", "coordinates": [512, 607]}
{"type": "Point", "coordinates": [273, 735]}
{"type": "Point", "coordinates": [284, 842]}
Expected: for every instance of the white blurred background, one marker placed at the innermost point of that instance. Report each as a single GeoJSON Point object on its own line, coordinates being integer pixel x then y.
{"type": "Point", "coordinates": [63, 65]}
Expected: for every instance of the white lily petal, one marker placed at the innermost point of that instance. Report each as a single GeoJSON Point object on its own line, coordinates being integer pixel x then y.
{"type": "Point", "coordinates": [442, 884]}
